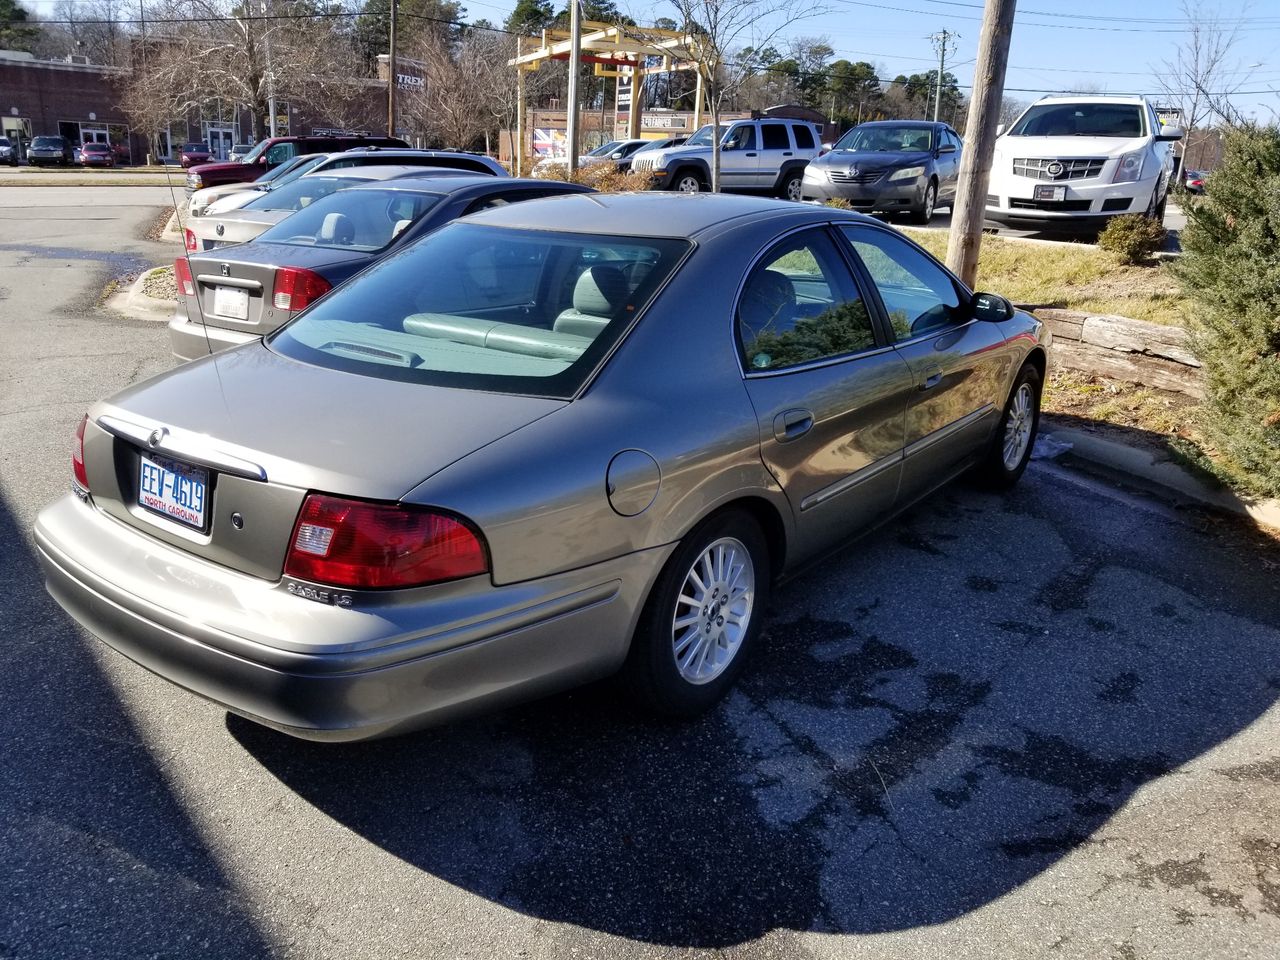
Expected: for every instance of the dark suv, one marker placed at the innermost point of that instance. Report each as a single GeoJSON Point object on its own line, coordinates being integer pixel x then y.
{"type": "Point", "coordinates": [50, 151]}
{"type": "Point", "coordinates": [273, 151]}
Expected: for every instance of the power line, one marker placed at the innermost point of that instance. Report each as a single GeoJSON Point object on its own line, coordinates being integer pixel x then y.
{"type": "Point", "coordinates": [1056, 26]}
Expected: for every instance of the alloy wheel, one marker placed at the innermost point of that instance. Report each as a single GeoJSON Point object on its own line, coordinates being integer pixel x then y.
{"type": "Point", "coordinates": [713, 610]}
{"type": "Point", "coordinates": [1017, 427]}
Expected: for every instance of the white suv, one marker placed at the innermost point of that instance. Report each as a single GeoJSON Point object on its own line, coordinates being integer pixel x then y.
{"type": "Point", "coordinates": [756, 156]}
{"type": "Point", "coordinates": [1076, 161]}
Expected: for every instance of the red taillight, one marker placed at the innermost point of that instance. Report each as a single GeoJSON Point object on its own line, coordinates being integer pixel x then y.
{"type": "Point", "coordinates": [295, 288]}
{"type": "Point", "coordinates": [182, 277]}
{"type": "Point", "coordinates": [77, 455]}
{"type": "Point", "coordinates": [353, 543]}
{"type": "Point", "coordinates": [189, 237]}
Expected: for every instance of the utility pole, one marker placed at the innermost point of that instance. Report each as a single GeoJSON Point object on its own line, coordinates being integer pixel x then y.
{"type": "Point", "coordinates": [980, 139]}
{"type": "Point", "coordinates": [941, 41]}
{"type": "Point", "coordinates": [271, 77]}
{"type": "Point", "coordinates": [575, 59]}
{"type": "Point", "coordinates": [391, 74]}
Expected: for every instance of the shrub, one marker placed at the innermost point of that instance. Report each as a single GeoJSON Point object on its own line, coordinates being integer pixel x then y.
{"type": "Point", "coordinates": [1132, 237]}
{"type": "Point", "coordinates": [1230, 269]}
{"type": "Point", "coordinates": [604, 177]}
{"type": "Point", "coordinates": [839, 203]}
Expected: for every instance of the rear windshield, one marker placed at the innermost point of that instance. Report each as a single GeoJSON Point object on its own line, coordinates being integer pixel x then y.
{"type": "Point", "coordinates": [300, 193]}
{"type": "Point", "coordinates": [353, 219]}
{"type": "Point", "coordinates": [1081, 120]}
{"type": "Point", "coordinates": [486, 308]}
{"type": "Point", "coordinates": [887, 139]}
{"type": "Point", "coordinates": [290, 170]}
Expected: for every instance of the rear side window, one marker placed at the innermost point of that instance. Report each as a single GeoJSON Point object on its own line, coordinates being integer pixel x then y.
{"type": "Point", "coordinates": [804, 137]}
{"type": "Point", "coordinates": [774, 136]}
{"type": "Point", "coordinates": [300, 193]}
{"type": "Point", "coordinates": [486, 308]}
{"type": "Point", "coordinates": [801, 304]}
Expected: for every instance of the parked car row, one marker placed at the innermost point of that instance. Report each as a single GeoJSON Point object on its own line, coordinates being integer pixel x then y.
{"type": "Point", "coordinates": [451, 439]}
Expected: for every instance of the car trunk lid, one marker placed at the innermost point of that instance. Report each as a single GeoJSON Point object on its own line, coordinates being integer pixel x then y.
{"type": "Point", "coordinates": [227, 447]}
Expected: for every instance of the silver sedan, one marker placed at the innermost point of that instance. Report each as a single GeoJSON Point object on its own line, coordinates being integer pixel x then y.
{"type": "Point", "coordinates": [550, 442]}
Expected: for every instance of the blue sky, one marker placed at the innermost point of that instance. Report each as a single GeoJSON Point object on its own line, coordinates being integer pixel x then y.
{"type": "Point", "coordinates": [1113, 45]}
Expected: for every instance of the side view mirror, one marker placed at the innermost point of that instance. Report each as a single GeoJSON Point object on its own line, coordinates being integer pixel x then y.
{"type": "Point", "coordinates": [1168, 133]}
{"type": "Point", "coordinates": [946, 148]}
{"type": "Point", "coordinates": [992, 307]}
{"type": "Point", "coordinates": [999, 129]}
{"type": "Point", "coordinates": [616, 156]}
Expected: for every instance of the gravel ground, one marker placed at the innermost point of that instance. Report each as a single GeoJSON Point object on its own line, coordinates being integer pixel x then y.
{"type": "Point", "coordinates": [160, 284]}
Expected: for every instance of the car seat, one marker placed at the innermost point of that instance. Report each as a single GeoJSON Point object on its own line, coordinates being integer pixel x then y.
{"type": "Point", "coordinates": [336, 228]}
{"type": "Point", "coordinates": [598, 295]}
{"type": "Point", "coordinates": [768, 306]}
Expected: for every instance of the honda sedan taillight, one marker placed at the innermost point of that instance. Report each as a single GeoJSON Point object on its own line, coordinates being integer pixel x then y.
{"type": "Point", "coordinates": [182, 276]}
{"type": "Point", "coordinates": [77, 456]}
{"type": "Point", "coordinates": [295, 288]}
{"type": "Point", "coordinates": [363, 545]}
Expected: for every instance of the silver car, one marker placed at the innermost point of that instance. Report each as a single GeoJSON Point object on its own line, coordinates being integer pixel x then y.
{"type": "Point", "coordinates": [547, 443]}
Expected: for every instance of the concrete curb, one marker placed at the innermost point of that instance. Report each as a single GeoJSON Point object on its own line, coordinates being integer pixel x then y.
{"type": "Point", "coordinates": [1154, 469]}
{"type": "Point", "coordinates": [136, 304]}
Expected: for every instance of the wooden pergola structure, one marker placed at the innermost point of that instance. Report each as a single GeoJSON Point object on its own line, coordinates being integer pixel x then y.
{"type": "Point", "coordinates": [611, 48]}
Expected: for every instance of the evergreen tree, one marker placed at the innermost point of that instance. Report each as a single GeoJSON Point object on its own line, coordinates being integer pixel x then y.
{"type": "Point", "coordinates": [15, 31]}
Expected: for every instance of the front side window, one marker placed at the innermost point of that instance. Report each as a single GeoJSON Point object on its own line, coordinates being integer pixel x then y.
{"type": "Point", "coordinates": [800, 304]}
{"type": "Point", "coordinates": [918, 295]}
{"type": "Point", "coordinates": [1122, 120]}
{"type": "Point", "coordinates": [741, 137]}
{"type": "Point", "coordinates": [774, 136]}
{"type": "Point", "coordinates": [281, 152]}
{"type": "Point", "coordinates": [486, 308]}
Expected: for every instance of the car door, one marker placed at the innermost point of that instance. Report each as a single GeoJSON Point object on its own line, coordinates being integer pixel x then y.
{"type": "Point", "coordinates": [776, 149]}
{"type": "Point", "coordinates": [959, 371]}
{"type": "Point", "coordinates": [740, 157]}
{"type": "Point", "coordinates": [828, 389]}
{"type": "Point", "coordinates": [948, 165]}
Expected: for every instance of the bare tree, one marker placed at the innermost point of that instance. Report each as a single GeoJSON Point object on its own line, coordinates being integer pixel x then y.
{"type": "Point", "coordinates": [230, 53]}
{"type": "Point", "coordinates": [451, 106]}
{"type": "Point", "coordinates": [1201, 76]}
{"type": "Point", "coordinates": [724, 39]}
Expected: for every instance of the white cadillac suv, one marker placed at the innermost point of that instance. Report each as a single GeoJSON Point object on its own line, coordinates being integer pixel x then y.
{"type": "Point", "coordinates": [1076, 161]}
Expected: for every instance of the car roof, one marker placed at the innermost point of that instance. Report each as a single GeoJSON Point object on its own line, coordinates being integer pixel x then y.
{"type": "Point", "coordinates": [1092, 98]}
{"type": "Point", "coordinates": [904, 123]}
{"type": "Point", "coordinates": [453, 181]}
{"type": "Point", "coordinates": [653, 214]}
{"type": "Point", "coordinates": [380, 172]}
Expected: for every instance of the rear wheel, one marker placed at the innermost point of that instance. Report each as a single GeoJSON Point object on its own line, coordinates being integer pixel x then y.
{"type": "Point", "coordinates": [792, 187]}
{"type": "Point", "coordinates": [1010, 451]}
{"type": "Point", "coordinates": [703, 615]}
{"type": "Point", "coordinates": [924, 213]}
{"type": "Point", "coordinates": [686, 181]}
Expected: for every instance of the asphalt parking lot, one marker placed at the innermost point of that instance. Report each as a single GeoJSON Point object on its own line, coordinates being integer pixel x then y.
{"type": "Point", "coordinates": [1035, 725]}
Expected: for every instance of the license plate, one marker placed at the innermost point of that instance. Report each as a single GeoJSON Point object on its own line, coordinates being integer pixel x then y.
{"type": "Point", "coordinates": [175, 490]}
{"type": "Point", "coordinates": [232, 302]}
{"type": "Point", "coordinates": [1050, 193]}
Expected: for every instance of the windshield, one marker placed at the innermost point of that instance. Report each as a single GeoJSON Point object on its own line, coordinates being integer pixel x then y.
{"type": "Point", "coordinates": [904, 139]}
{"type": "Point", "coordinates": [365, 220]}
{"type": "Point", "coordinates": [194, 146]}
{"type": "Point", "coordinates": [604, 149]}
{"type": "Point", "coordinates": [253, 154]}
{"type": "Point", "coordinates": [47, 142]}
{"type": "Point", "coordinates": [300, 193]}
{"type": "Point", "coordinates": [95, 148]}
{"type": "Point", "coordinates": [1121, 120]}
{"type": "Point", "coordinates": [702, 138]}
{"type": "Point", "coordinates": [485, 308]}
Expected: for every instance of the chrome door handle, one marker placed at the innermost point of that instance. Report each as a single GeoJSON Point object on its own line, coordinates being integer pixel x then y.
{"type": "Point", "coordinates": [792, 425]}
{"type": "Point", "coordinates": [932, 380]}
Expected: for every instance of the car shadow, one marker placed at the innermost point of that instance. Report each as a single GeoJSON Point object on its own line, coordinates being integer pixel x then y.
{"type": "Point", "coordinates": [99, 857]}
{"type": "Point", "coordinates": [934, 717]}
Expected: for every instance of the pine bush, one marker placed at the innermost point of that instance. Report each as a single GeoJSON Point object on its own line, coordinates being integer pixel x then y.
{"type": "Point", "coordinates": [1132, 237]}
{"type": "Point", "coordinates": [1230, 270]}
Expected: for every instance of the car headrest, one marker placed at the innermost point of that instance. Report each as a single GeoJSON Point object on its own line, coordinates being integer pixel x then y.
{"type": "Point", "coordinates": [768, 303]}
{"type": "Point", "coordinates": [600, 291]}
{"type": "Point", "coordinates": [336, 228]}
{"type": "Point", "coordinates": [920, 143]}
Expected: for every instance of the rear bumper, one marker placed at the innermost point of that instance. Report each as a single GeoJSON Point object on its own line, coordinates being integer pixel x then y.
{"type": "Point", "coordinates": [387, 664]}
{"type": "Point", "coordinates": [191, 341]}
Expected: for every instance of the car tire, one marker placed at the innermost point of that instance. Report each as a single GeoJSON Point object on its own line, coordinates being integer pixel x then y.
{"type": "Point", "coordinates": [1009, 453]}
{"type": "Point", "coordinates": [687, 181]}
{"type": "Point", "coordinates": [681, 671]}
{"type": "Point", "coordinates": [792, 187]}
{"type": "Point", "coordinates": [924, 213]}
